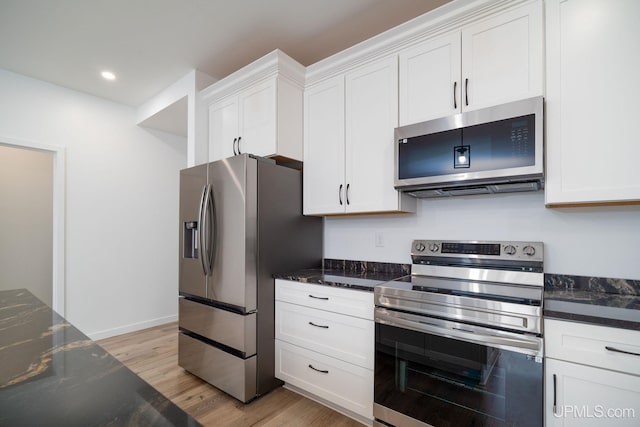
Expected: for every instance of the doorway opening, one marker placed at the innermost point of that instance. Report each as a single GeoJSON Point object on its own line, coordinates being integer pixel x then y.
{"type": "Point", "coordinates": [31, 217]}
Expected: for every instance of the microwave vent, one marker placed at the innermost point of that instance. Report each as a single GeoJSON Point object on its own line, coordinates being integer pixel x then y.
{"type": "Point", "coordinates": [510, 187]}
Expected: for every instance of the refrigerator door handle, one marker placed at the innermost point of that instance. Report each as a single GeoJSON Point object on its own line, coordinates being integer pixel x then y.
{"type": "Point", "coordinates": [210, 217]}
{"type": "Point", "coordinates": [201, 227]}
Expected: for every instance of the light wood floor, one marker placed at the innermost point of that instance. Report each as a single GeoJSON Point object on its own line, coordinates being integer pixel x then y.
{"type": "Point", "coordinates": [153, 355]}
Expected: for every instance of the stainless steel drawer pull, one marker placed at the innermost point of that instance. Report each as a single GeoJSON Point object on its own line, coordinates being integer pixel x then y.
{"type": "Point", "coordinates": [319, 326]}
{"type": "Point", "coordinates": [318, 370]}
{"type": "Point", "coordinates": [621, 351]}
{"type": "Point", "coordinates": [323, 298]}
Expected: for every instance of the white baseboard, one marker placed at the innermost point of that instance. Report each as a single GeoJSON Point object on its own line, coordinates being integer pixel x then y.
{"type": "Point", "coordinates": [108, 333]}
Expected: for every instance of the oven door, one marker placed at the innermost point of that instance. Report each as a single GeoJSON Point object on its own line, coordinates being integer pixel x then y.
{"type": "Point", "coordinates": [437, 372]}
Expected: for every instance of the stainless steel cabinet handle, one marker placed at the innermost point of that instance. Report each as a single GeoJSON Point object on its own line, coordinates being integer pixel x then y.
{"type": "Point", "coordinates": [340, 194]}
{"type": "Point", "coordinates": [555, 406]}
{"type": "Point", "coordinates": [455, 103]}
{"type": "Point", "coordinates": [315, 297]}
{"type": "Point", "coordinates": [318, 370]}
{"type": "Point", "coordinates": [234, 146]}
{"type": "Point", "coordinates": [319, 326]}
{"type": "Point", "coordinates": [621, 351]}
{"type": "Point", "coordinates": [466, 91]}
{"type": "Point", "coordinates": [347, 193]}
{"type": "Point", "coordinates": [239, 138]}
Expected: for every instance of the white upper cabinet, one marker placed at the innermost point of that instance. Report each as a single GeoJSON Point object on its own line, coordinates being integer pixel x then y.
{"type": "Point", "coordinates": [348, 155]}
{"type": "Point", "coordinates": [323, 176]}
{"type": "Point", "coordinates": [258, 119]}
{"type": "Point", "coordinates": [371, 117]}
{"type": "Point", "coordinates": [503, 58]}
{"type": "Point", "coordinates": [593, 64]}
{"type": "Point", "coordinates": [223, 128]}
{"type": "Point", "coordinates": [430, 80]}
{"type": "Point", "coordinates": [492, 61]}
{"type": "Point", "coordinates": [257, 110]}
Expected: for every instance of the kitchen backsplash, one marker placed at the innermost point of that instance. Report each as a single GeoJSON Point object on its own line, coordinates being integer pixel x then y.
{"type": "Point", "coordinates": [366, 266]}
{"type": "Point", "coordinates": [559, 282]}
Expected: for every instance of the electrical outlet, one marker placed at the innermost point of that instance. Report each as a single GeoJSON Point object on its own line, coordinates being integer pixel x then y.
{"type": "Point", "coordinates": [379, 239]}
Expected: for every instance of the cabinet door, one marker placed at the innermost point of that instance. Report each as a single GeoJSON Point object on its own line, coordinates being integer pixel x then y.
{"type": "Point", "coordinates": [502, 58]}
{"type": "Point", "coordinates": [324, 156]}
{"type": "Point", "coordinates": [585, 396]}
{"type": "Point", "coordinates": [371, 116]}
{"type": "Point", "coordinates": [223, 128]}
{"type": "Point", "coordinates": [593, 64]}
{"type": "Point", "coordinates": [430, 80]}
{"type": "Point", "coordinates": [257, 110]}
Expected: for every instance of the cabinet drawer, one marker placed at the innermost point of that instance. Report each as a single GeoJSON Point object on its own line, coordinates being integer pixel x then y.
{"type": "Point", "coordinates": [344, 337]}
{"type": "Point", "coordinates": [344, 384]}
{"type": "Point", "coordinates": [343, 301]}
{"type": "Point", "coordinates": [593, 345]}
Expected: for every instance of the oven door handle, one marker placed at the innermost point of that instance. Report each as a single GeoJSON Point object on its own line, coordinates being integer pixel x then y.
{"type": "Point", "coordinates": [475, 334]}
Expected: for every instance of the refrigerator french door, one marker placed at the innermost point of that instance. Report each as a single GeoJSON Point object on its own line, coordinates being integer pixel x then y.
{"type": "Point", "coordinates": [240, 222]}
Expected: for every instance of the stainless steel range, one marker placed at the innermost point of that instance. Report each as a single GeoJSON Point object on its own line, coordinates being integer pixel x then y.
{"type": "Point", "coordinates": [459, 342]}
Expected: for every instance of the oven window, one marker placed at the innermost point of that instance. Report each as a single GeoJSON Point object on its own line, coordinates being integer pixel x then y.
{"type": "Point", "coordinates": [447, 382]}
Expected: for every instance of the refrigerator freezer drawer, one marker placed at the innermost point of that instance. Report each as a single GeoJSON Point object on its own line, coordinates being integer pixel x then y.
{"type": "Point", "coordinates": [231, 329]}
{"type": "Point", "coordinates": [229, 373]}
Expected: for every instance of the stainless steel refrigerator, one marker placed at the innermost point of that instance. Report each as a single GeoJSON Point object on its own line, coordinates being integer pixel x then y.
{"type": "Point", "coordinates": [240, 222]}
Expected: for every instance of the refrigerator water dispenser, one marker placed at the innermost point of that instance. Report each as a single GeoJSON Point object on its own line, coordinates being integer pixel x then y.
{"type": "Point", "coordinates": [190, 240]}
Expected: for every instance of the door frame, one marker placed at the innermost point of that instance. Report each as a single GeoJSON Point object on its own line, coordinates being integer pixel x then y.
{"type": "Point", "coordinates": [59, 297]}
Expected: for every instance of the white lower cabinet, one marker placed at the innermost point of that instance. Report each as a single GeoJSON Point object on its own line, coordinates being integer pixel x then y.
{"type": "Point", "coordinates": [345, 384]}
{"type": "Point", "coordinates": [325, 344]}
{"type": "Point", "coordinates": [591, 375]}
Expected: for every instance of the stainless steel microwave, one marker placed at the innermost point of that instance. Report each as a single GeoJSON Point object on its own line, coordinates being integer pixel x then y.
{"type": "Point", "coordinates": [492, 150]}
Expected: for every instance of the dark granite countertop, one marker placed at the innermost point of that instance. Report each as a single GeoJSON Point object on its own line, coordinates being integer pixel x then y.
{"type": "Point", "coordinates": [359, 275]}
{"type": "Point", "coordinates": [53, 374]}
{"type": "Point", "coordinates": [595, 300]}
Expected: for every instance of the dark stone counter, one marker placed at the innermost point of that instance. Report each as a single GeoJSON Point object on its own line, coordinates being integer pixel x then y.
{"type": "Point", "coordinates": [359, 275]}
{"type": "Point", "coordinates": [596, 300]}
{"type": "Point", "coordinates": [52, 374]}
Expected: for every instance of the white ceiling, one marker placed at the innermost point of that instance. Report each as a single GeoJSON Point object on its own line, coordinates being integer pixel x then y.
{"type": "Point", "coordinates": [149, 44]}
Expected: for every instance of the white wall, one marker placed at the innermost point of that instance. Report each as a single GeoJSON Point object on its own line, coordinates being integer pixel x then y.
{"type": "Point", "coordinates": [594, 241]}
{"type": "Point", "coordinates": [121, 203]}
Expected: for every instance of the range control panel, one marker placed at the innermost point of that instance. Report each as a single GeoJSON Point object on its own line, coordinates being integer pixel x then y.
{"type": "Point", "coordinates": [510, 250]}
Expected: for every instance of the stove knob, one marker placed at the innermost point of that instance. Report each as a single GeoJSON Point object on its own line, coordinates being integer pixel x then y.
{"type": "Point", "coordinates": [529, 250]}
{"type": "Point", "coordinates": [420, 247]}
{"type": "Point", "coordinates": [434, 247]}
{"type": "Point", "coordinates": [510, 250]}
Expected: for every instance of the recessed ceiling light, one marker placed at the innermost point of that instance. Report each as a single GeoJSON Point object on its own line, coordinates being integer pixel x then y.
{"type": "Point", "coordinates": [108, 75]}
